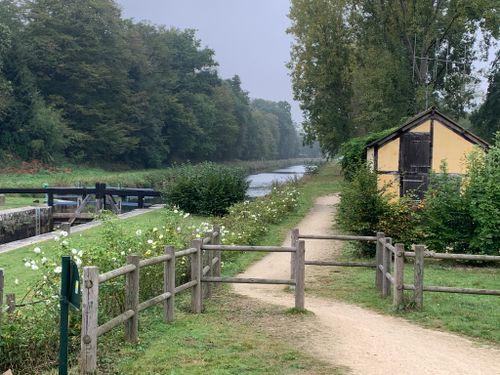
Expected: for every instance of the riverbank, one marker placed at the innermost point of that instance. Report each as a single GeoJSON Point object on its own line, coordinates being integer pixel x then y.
{"type": "Point", "coordinates": [87, 176]}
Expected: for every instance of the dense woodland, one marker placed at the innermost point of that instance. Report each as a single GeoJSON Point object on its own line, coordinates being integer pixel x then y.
{"type": "Point", "coordinates": [79, 83]}
{"type": "Point", "coordinates": [362, 66]}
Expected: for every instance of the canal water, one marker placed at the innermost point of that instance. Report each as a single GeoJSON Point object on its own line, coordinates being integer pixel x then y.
{"type": "Point", "coordinates": [262, 183]}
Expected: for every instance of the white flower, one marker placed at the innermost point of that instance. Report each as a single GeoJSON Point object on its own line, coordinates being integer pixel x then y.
{"type": "Point", "coordinates": [175, 211]}
{"type": "Point", "coordinates": [138, 232]}
{"type": "Point", "coordinates": [27, 264]}
{"type": "Point", "coordinates": [186, 215]}
{"type": "Point", "coordinates": [37, 250]}
{"type": "Point", "coordinates": [63, 233]}
{"type": "Point", "coordinates": [74, 251]}
{"type": "Point", "coordinates": [34, 267]}
{"type": "Point", "coordinates": [150, 242]}
{"type": "Point", "coordinates": [16, 281]}
{"type": "Point", "coordinates": [179, 229]}
{"type": "Point", "coordinates": [58, 269]}
{"type": "Point", "coordinates": [56, 238]}
{"type": "Point", "coordinates": [160, 236]}
{"type": "Point", "coordinates": [155, 229]}
{"type": "Point", "coordinates": [122, 253]}
{"type": "Point", "coordinates": [65, 243]}
{"type": "Point", "coordinates": [44, 260]}
{"type": "Point", "coordinates": [80, 253]}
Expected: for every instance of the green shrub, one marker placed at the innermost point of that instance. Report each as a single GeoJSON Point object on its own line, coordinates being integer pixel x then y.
{"type": "Point", "coordinates": [401, 221]}
{"type": "Point", "coordinates": [447, 223]}
{"type": "Point", "coordinates": [362, 205]}
{"type": "Point", "coordinates": [206, 189]}
{"type": "Point", "coordinates": [354, 152]}
{"type": "Point", "coordinates": [29, 337]}
{"type": "Point", "coordinates": [483, 190]}
{"type": "Point", "coordinates": [248, 220]}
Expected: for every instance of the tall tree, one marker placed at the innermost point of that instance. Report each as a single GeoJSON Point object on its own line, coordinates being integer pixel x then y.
{"type": "Point", "coordinates": [486, 120]}
{"type": "Point", "coordinates": [383, 61]}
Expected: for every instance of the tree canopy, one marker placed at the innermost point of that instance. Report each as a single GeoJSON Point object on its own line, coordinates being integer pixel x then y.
{"type": "Point", "coordinates": [360, 66]}
{"type": "Point", "coordinates": [79, 83]}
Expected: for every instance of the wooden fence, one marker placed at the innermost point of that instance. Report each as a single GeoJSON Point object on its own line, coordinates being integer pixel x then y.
{"type": "Point", "coordinates": [390, 266]}
{"type": "Point", "coordinates": [205, 263]}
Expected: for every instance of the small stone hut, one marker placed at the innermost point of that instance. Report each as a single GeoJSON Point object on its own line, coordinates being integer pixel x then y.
{"type": "Point", "coordinates": [404, 158]}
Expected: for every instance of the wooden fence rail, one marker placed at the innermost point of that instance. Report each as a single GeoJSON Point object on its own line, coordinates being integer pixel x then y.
{"type": "Point", "coordinates": [205, 270]}
{"type": "Point", "coordinates": [91, 331]}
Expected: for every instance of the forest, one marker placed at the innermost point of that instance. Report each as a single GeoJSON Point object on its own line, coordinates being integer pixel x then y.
{"type": "Point", "coordinates": [362, 66]}
{"type": "Point", "coordinates": [79, 83]}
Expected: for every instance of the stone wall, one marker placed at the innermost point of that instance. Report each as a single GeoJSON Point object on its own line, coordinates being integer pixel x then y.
{"type": "Point", "coordinates": [19, 223]}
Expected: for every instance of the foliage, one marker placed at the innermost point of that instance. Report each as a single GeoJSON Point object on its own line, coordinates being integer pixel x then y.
{"type": "Point", "coordinates": [353, 152]}
{"type": "Point", "coordinates": [486, 120]}
{"type": "Point", "coordinates": [362, 205]}
{"type": "Point", "coordinates": [363, 66]}
{"type": "Point", "coordinates": [247, 221]}
{"type": "Point", "coordinates": [402, 221]}
{"type": "Point", "coordinates": [205, 189]}
{"type": "Point", "coordinates": [446, 218]}
{"type": "Point", "coordinates": [79, 83]}
{"type": "Point", "coordinates": [483, 191]}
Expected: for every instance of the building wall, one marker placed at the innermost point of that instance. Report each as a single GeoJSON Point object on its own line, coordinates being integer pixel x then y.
{"type": "Point", "coordinates": [389, 182]}
{"type": "Point", "coordinates": [451, 147]}
{"type": "Point", "coordinates": [388, 157]}
{"type": "Point", "coordinates": [370, 157]}
{"type": "Point", "coordinates": [424, 127]}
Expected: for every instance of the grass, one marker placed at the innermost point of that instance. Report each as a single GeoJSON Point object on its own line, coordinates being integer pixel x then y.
{"type": "Point", "coordinates": [471, 315]}
{"type": "Point", "coordinates": [14, 201]}
{"type": "Point", "coordinates": [13, 263]}
{"type": "Point", "coordinates": [137, 178]}
{"type": "Point", "coordinates": [234, 335]}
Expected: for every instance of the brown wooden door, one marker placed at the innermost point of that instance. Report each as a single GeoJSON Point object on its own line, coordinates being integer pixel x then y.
{"type": "Point", "coordinates": [415, 163]}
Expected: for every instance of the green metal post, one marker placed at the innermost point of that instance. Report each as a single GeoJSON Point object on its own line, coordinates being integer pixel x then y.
{"type": "Point", "coordinates": [63, 341]}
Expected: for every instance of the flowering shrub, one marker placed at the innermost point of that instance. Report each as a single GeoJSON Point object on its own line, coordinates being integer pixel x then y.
{"type": "Point", "coordinates": [29, 337]}
{"type": "Point", "coordinates": [248, 220]}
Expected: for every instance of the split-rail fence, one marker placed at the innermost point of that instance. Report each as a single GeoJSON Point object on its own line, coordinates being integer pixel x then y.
{"type": "Point", "coordinates": [205, 263]}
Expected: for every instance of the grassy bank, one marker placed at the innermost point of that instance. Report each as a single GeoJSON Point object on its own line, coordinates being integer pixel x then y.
{"type": "Point", "coordinates": [86, 176]}
{"type": "Point", "coordinates": [231, 336]}
{"type": "Point", "coordinates": [471, 315]}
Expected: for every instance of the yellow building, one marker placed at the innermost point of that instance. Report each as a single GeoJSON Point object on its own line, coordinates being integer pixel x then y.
{"type": "Point", "coordinates": [404, 158]}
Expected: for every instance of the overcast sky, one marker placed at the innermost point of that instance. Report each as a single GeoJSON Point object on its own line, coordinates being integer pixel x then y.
{"type": "Point", "coordinates": [248, 36]}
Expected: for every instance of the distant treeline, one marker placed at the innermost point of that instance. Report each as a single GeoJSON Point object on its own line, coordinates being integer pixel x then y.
{"type": "Point", "coordinates": [79, 83]}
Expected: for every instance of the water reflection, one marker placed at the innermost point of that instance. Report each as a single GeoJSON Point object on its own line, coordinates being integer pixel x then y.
{"type": "Point", "coordinates": [261, 183]}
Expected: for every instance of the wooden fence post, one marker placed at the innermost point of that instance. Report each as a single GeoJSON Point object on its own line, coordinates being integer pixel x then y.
{"type": "Point", "coordinates": [217, 253]}
{"type": "Point", "coordinates": [418, 271]}
{"type": "Point", "coordinates": [132, 299]}
{"type": "Point", "coordinates": [399, 264]}
{"type": "Point", "coordinates": [300, 275]}
{"type": "Point", "coordinates": [294, 242]}
{"type": "Point", "coordinates": [90, 303]}
{"type": "Point", "coordinates": [196, 269]}
{"type": "Point", "coordinates": [378, 261]}
{"type": "Point", "coordinates": [169, 285]}
{"type": "Point", "coordinates": [11, 302]}
{"type": "Point", "coordinates": [386, 264]}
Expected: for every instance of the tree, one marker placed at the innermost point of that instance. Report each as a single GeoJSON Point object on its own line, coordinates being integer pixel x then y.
{"type": "Point", "coordinates": [363, 65]}
{"type": "Point", "coordinates": [486, 120]}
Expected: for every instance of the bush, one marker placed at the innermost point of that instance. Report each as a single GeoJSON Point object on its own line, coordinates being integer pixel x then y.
{"type": "Point", "coordinates": [248, 220]}
{"type": "Point", "coordinates": [447, 223]}
{"type": "Point", "coordinates": [483, 191]}
{"type": "Point", "coordinates": [401, 221]}
{"type": "Point", "coordinates": [206, 189]}
{"type": "Point", "coordinates": [354, 152]}
{"type": "Point", "coordinates": [29, 337]}
{"type": "Point", "coordinates": [362, 205]}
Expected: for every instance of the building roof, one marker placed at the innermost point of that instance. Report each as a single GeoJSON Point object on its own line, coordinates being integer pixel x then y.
{"type": "Point", "coordinates": [431, 113]}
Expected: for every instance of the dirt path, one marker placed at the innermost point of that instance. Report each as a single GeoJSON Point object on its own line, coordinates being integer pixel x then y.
{"type": "Point", "coordinates": [362, 340]}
